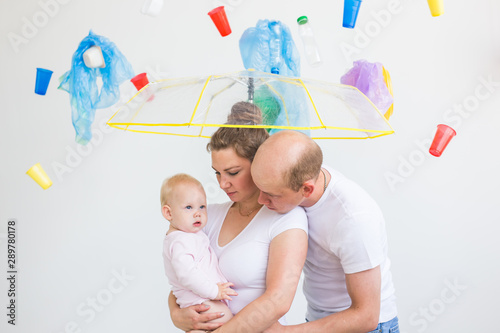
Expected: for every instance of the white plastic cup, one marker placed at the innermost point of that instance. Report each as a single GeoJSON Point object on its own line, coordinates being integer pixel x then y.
{"type": "Point", "coordinates": [93, 57]}
{"type": "Point", "coordinates": [152, 7]}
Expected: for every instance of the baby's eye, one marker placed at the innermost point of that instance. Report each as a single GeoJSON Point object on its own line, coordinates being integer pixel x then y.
{"type": "Point", "coordinates": [189, 207]}
{"type": "Point", "coordinates": [203, 207]}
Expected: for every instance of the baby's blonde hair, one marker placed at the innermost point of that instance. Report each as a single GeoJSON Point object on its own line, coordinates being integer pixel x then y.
{"type": "Point", "coordinates": [169, 184]}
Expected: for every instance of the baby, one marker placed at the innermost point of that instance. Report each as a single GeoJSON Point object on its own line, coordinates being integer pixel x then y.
{"type": "Point", "coordinates": [190, 264]}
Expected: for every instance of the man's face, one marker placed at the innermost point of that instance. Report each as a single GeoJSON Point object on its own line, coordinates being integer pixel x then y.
{"type": "Point", "coordinates": [273, 193]}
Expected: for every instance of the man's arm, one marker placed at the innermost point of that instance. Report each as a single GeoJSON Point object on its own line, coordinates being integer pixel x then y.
{"type": "Point", "coordinates": [192, 317]}
{"type": "Point", "coordinates": [287, 254]}
{"type": "Point", "coordinates": [361, 317]}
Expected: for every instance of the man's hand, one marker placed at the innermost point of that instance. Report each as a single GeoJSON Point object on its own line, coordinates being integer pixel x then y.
{"type": "Point", "coordinates": [194, 318]}
{"type": "Point", "coordinates": [225, 291]}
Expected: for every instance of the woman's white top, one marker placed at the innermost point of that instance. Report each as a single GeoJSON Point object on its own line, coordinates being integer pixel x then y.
{"type": "Point", "coordinates": [243, 261]}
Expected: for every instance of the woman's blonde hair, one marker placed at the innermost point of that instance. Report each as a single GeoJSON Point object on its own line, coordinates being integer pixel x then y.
{"type": "Point", "coordinates": [244, 141]}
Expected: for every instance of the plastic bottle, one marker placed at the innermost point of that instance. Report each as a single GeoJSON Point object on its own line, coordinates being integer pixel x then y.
{"type": "Point", "coordinates": [275, 48]}
{"type": "Point", "coordinates": [310, 47]}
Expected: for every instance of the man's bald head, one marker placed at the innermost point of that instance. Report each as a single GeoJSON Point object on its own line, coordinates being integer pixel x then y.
{"type": "Point", "coordinates": [291, 157]}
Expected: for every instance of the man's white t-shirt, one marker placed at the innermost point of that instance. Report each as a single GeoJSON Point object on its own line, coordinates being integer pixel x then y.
{"type": "Point", "coordinates": [243, 261]}
{"type": "Point", "coordinates": [346, 235]}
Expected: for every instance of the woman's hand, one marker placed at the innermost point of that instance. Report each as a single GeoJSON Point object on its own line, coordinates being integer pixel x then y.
{"type": "Point", "coordinates": [192, 317]}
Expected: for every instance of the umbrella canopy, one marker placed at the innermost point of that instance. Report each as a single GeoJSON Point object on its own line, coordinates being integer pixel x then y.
{"type": "Point", "coordinates": [196, 107]}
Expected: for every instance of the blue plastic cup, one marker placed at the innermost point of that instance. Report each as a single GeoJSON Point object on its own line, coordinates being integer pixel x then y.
{"type": "Point", "coordinates": [351, 9]}
{"type": "Point", "coordinates": [42, 80]}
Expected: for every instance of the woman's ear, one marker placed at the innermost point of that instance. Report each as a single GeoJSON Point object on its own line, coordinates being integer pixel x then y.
{"type": "Point", "coordinates": [166, 211]}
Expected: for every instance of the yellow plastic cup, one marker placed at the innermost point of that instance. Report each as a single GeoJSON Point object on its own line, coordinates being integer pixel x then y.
{"type": "Point", "coordinates": [436, 7]}
{"type": "Point", "coordinates": [38, 174]}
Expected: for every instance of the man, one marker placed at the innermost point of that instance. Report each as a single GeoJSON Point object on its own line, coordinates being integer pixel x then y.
{"type": "Point", "coordinates": [347, 281]}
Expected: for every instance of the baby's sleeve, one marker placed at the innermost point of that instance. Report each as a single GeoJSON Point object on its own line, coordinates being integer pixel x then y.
{"type": "Point", "coordinates": [184, 263]}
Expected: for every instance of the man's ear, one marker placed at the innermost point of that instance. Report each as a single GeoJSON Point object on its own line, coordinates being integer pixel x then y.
{"type": "Point", "coordinates": [166, 211]}
{"type": "Point", "coordinates": [307, 188]}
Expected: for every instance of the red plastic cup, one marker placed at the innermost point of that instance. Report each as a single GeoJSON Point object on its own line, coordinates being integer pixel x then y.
{"type": "Point", "coordinates": [218, 15]}
{"type": "Point", "coordinates": [443, 136]}
{"type": "Point", "coordinates": [140, 80]}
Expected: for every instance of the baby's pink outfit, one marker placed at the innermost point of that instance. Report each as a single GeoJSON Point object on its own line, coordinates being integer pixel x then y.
{"type": "Point", "coordinates": [192, 267]}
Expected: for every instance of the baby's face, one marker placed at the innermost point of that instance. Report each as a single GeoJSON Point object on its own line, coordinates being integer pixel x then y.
{"type": "Point", "coordinates": [189, 208]}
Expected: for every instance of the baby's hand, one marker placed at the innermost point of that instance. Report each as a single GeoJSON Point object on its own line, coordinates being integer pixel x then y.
{"type": "Point", "coordinates": [225, 291]}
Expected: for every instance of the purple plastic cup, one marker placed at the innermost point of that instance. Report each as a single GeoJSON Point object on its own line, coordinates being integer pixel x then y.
{"type": "Point", "coordinates": [42, 80]}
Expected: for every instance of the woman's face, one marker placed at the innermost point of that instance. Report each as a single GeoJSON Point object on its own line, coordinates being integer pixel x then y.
{"type": "Point", "coordinates": [233, 174]}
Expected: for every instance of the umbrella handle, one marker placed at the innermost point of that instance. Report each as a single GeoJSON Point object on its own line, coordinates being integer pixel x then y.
{"type": "Point", "coordinates": [250, 89]}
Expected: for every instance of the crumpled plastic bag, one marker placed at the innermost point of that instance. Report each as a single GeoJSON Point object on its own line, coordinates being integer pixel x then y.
{"type": "Point", "coordinates": [270, 45]}
{"type": "Point", "coordinates": [295, 102]}
{"type": "Point", "coordinates": [80, 83]}
{"type": "Point", "coordinates": [369, 79]}
{"type": "Point", "coordinates": [269, 39]}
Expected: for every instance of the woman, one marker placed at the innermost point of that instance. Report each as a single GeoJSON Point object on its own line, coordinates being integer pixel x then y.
{"type": "Point", "coordinates": [260, 251]}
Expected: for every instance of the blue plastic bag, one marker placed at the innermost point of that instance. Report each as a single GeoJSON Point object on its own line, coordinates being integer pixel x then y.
{"type": "Point", "coordinates": [268, 41]}
{"type": "Point", "coordinates": [269, 47]}
{"type": "Point", "coordinates": [80, 83]}
{"type": "Point", "coordinates": [295, 103]}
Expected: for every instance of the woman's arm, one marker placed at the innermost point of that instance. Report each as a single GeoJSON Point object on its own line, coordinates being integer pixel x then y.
{"type": "Point", "coordinates": [192, 317]}
{"type": "Point", "coordinates": [287, 254]}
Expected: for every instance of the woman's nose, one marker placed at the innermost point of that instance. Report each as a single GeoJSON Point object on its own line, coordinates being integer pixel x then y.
{"type": "Point", "coordinates": [224, 183]}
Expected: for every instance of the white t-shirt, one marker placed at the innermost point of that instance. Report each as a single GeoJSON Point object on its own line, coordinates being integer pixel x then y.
{"type": "Point", "coordinates": [191, 267]}
{"type": "Point", "coordinates": [243, 261]}
{"type": "Point", "coordinates": [346, 235]}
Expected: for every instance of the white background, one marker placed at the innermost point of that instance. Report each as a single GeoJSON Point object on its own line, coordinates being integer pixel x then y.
{"type": "Point", "coordinates": [101, 218]}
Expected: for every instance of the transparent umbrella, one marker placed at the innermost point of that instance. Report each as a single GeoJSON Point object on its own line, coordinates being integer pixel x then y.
{"type": "Point", "coordinates": [196, 107]}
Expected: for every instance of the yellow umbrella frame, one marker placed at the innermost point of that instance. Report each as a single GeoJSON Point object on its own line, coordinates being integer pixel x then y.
{"type": "Point", "coordinates": [326, 110]}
